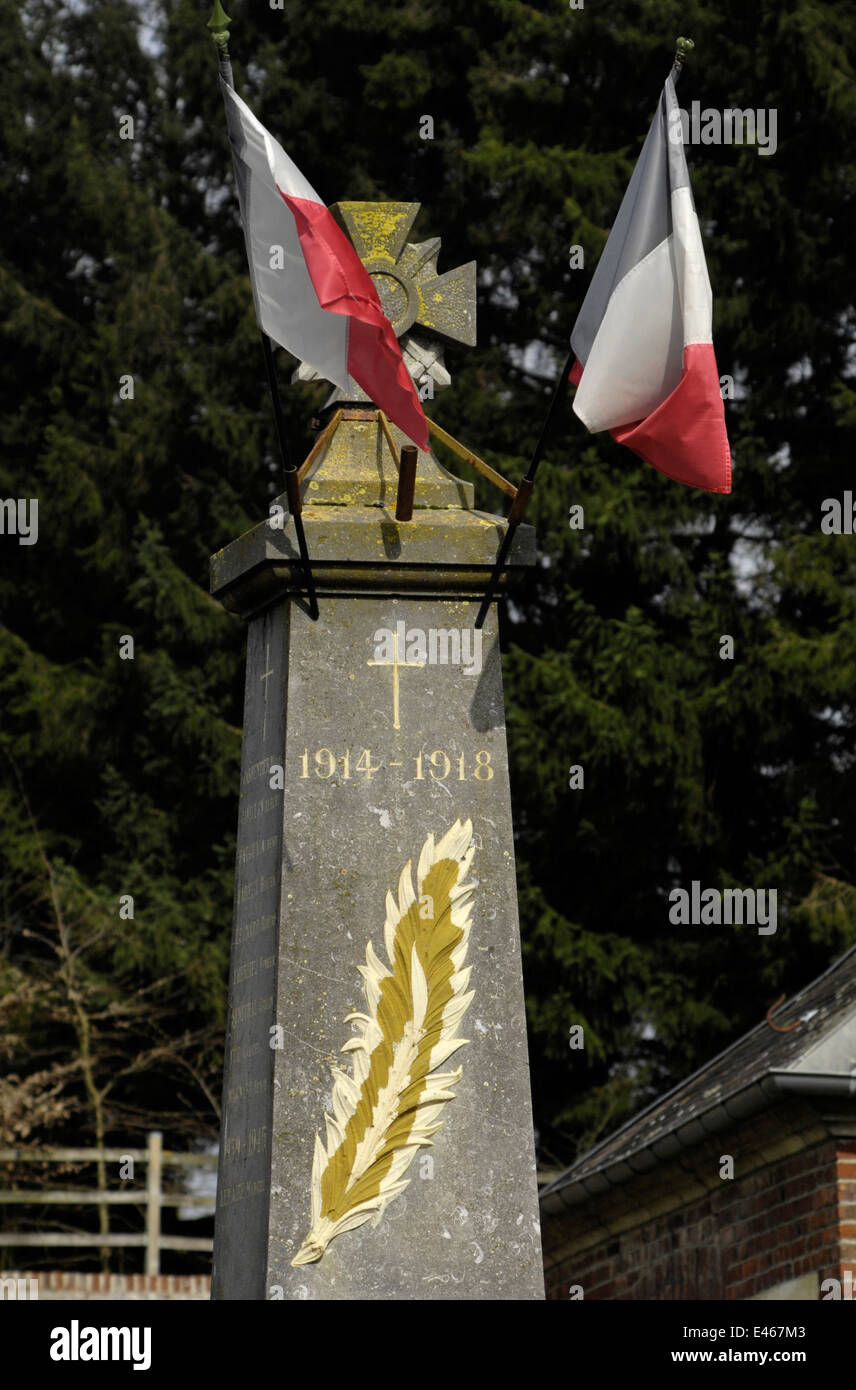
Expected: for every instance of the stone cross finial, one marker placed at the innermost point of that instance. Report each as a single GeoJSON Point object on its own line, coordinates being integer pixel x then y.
{"type": "Point", "coordinates": [422, 305]}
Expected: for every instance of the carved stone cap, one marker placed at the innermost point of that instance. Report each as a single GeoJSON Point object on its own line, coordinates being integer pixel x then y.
{"type": "Point", "coordinates": [356, 468]}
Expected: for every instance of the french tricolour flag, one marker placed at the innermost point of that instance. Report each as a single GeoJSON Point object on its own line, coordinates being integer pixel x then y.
{"type": "Point", "coordinates": [315, 298]}
{"type": "Point", "coordinates": [645, 366]}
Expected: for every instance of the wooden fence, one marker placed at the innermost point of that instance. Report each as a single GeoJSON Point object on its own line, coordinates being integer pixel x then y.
{"type": "Point", "coordinates": [154, 1156]}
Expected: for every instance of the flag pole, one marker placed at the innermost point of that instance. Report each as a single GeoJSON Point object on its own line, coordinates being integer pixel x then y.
{"type": "Point", "coordinates": [219, 26]}
{"type": "Point", "coordinates": [524, 492]}
{"type": "Point", "coordinates": [527, 483]}
{"type": "Point", "coordinates": [682, 48]}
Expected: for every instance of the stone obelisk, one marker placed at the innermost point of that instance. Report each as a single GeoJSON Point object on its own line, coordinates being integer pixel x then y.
{"type": "Point", "coordinates": [374, 737]}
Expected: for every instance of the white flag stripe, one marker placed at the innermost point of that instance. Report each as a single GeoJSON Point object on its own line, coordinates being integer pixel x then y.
{"type": "Point", "coordinates": [693, 282]}
{"type": "Point", "coordinates": [646, 369]}
{"type": "Point", "coordinates": [284, 171]}
{"type": "Point", "coordinates": [636, 358]}
{"type": "Point", "coordinates": [286, 303]}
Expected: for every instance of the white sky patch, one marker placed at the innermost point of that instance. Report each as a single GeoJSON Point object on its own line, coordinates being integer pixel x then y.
{"type": "Point", "coordinates": [843, 761]}
{"type": "Point", "coordinates": [199, 1182]}
{"type": "Point", "coordinates": [536, 358]}
{"type": "Point", "coordinates": [847, 328]}
{"type": "Point", "coordinates": [148, 34]}
{"type": "Point", "coordinates": [835, 717]}
{"type": "Point", "coordinates": [84, 267]}
{"type": "Point", "coordinates": [751, 564]}
{"type": "Point", "coordinates": [217, 198]}
{"type": "Point", "coordinates": [781, 459]}
{"type": "Point", "coordinates": [774, 769]}
{"type": "Point", "coordinates": [842, 758]}
{"type": "Point", "coordinates": [799, 371]}
{"type": "Point", "coordinates": [499, 287]}
{"type": "Point", "coordinates": [694, 526]}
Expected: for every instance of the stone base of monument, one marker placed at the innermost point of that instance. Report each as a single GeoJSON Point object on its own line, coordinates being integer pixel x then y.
{"type": "Point", "coordinates": [375, 906]}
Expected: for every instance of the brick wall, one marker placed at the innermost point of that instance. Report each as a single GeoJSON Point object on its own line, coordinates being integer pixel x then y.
{"type": "Point", "coordinates": [846, 1167]}
{"type": "Point", "coordinates": [59, 1285]}
{"type": "Point", "coordinates": [788, 1218]}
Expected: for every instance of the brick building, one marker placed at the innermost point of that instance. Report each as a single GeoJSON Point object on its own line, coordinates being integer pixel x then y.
{"type": "Point", "coordinates": [652, 1213]}
{"type": "Point", "coordinates": [57, 1285]}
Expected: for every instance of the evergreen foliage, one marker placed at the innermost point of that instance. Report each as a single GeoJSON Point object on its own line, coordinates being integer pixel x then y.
{"type": "Point", "coordinates": [123, 257]}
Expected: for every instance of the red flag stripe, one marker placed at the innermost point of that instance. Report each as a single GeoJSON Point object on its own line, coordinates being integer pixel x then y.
{"type": "Point", "coordinates": [343, 286]}
{"type": "Point", "coordinates": [685, 437]}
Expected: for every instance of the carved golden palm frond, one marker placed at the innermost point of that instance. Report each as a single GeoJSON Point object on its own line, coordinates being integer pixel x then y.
{"type": "Point", "coordinates": [389, 1107]}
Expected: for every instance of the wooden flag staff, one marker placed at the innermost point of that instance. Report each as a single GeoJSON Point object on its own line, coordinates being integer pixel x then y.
{"type": "Point", "coordinates": [218, 24]}
{"type": "Point", "coordinates": [524, 492]}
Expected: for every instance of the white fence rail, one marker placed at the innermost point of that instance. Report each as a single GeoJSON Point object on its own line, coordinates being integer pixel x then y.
{"type": "Point", "coordinates": [154, 1199]}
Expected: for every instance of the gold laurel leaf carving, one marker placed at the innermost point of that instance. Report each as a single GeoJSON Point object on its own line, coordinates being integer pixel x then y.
{"type": "Point", "coordinates": [390, 1104]}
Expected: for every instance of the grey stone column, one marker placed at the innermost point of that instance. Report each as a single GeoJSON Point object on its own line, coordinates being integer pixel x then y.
{"type": "Point", "coordinates": [377, 753]}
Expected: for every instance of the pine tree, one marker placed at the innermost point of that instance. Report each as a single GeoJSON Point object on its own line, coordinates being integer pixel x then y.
{"type": "Point", "coordinates": [123, 269]}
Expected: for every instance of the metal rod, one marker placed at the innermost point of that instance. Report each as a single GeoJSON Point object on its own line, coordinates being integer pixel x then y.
{"type": "Point", "coordinates": [292, 486]}
{"type": "Point", "coordinates": [406, 484]}
{"type": "Point", "coordinates": [472, 459]}
{"type": "Point", "coordinates": [384, 424]}
{"type": "Point", "coordinates": [524, 492]}
{"type": "Point", "coordinates": [289, 471]}
{"type": "Point", "coordinates": [324, 438]}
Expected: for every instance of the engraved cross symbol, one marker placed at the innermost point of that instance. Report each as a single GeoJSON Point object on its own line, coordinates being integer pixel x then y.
{"type": "Point", "coordinates": [263, 677]}
{"type": "Point", "coordinates": [396, 667]}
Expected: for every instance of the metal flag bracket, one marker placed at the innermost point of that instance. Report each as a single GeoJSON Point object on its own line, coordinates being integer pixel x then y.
{"type": "Point", "coordinates": [405, 460]}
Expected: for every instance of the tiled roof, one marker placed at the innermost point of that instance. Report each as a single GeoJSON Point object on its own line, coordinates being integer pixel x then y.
{"type": "Point", "coordinates": [820, 1053]}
